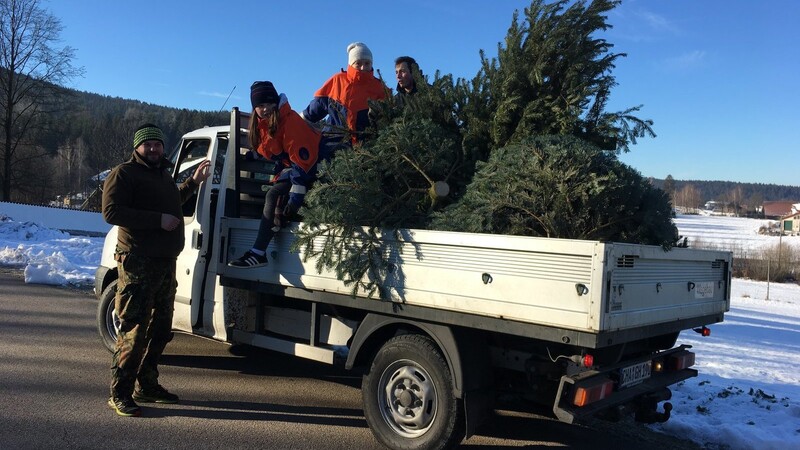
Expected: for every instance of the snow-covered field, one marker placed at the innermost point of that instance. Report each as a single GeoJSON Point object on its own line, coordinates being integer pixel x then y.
{"type": "Point", "coordinates": [736, 234]}
{"type": "Point", "coordinates": [746, 396]}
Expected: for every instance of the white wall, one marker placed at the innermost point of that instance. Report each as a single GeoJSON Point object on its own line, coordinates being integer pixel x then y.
{"type": "Point", "coordinates": [61, 219]}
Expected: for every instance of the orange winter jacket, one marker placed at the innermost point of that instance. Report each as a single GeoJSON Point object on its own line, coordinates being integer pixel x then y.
{"type": "Point", "coordinates": [343, 99]}
{"type": "Point", "coordinates": [295, 145]}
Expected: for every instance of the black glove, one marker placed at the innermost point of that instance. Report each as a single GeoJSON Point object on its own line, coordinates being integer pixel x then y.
{"type": "Point", "coordinates": [293, 205]}
{"type": "Point", "coordinates": [277, 168]}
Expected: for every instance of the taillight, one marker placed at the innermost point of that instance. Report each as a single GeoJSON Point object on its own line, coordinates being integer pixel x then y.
{"type": "Point", "coordinates": [593, 391]}
{"type": "Point", "coordinates": [681, 360]}
{"type": "Point", "coordinates": [586, 360]}
{"type": "Point", "coordinates": [703, 331]}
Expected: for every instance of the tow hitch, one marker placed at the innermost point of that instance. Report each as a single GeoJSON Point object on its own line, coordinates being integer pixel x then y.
{"type": "Point", "coordinates": [647, 412]}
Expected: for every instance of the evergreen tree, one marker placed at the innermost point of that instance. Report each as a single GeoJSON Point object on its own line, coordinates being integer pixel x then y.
{"type": "Point", "coordinates": [551, 79]}
{"type": "Point", "coordinates": [553, 76]}
{"type": "Point", "coordinates": [669, 188]}
{"type": "Point", "coordinates": [395, 181]}
{"type": "Point", "coordinates": [562, 187]}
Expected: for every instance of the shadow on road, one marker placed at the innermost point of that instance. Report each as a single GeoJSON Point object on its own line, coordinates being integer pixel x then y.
{"type": "Point", "coordinates": [235, 410]}
{"type": "Point", "coordinates": [256, 361]}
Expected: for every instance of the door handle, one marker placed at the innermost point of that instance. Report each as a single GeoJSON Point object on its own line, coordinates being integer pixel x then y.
{"type": "Point", "coordinates": [197, 239]}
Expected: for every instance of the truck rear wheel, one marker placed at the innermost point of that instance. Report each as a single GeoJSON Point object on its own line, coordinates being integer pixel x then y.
{"type": "Point", "coordinates": [107, 319]}
{"type": "Point", "coordinates": [408, 396]}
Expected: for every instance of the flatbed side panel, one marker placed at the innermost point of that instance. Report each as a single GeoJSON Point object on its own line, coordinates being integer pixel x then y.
{"type": "Point", "coordinates": [585, 286]}
{"type": "Point", "coordinates": [522, 279]}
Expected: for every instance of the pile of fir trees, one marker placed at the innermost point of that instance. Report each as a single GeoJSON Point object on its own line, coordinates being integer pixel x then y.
{"type": "Point", "coordinates": [526, 148]}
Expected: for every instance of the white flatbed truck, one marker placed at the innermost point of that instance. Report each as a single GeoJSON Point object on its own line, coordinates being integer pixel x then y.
{"type": "Point", "coordinates": [586, 327]}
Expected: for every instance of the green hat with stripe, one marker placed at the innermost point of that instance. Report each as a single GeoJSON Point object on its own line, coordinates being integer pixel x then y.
{"type": "Point", "coordinates": [147, 132]}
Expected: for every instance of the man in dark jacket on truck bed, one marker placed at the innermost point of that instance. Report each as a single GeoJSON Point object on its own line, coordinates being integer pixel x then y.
{"type": "Point", "coordinates": [142, 199]}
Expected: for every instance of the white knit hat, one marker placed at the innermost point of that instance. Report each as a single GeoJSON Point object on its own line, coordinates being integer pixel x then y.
{"type": "Point", "coordinates": [356, 51]}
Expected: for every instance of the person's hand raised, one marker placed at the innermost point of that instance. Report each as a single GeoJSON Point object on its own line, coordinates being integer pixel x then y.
{"type": "Point", "coordinates": [202, 172]}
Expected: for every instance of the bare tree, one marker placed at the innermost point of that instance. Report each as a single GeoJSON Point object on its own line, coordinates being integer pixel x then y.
{"type": "Point", "coordinates": [725, 200]}
{"type": "Point", "coordinates": [692, 197]}
{"type": "Point", "coordinates": [688, 197]}
{"type": "Point", "coordinates": [737, 198]}
{"type": "Point", "coordinates": [71, 157]}
{"type": "Point", "coordinates": [42, 173]}
{"type": "Point", "coordinates": [108, 148]}
{"type": "Point", "coordinates": [32, 71]}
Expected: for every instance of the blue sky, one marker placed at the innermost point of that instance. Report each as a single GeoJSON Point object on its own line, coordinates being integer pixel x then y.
{"type": "Point", "coordinates": [718, 77]}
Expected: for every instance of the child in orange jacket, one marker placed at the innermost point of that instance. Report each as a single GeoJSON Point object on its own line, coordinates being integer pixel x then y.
{"type": "Point", "coordinates": [278, 133]}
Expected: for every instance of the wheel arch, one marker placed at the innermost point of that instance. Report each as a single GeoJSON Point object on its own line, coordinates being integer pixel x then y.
{"type": "Point", "coordinates": [465, 351]}
{"type": "Point", "coordinates": [103, 276]}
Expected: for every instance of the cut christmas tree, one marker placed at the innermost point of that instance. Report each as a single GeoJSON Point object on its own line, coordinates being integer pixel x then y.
{"type": "Point", "coordinates": [526, 148]}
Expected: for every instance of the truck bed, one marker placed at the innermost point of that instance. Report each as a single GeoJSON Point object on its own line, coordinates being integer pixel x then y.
{"type": "Point", "coordinates": [558, 289]}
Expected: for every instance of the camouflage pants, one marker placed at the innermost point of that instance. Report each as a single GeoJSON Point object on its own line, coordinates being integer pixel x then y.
{"type": "Point", "coordinates": [144, 302]}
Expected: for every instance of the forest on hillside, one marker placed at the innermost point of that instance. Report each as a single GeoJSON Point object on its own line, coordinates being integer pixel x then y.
{"type": "Point", "coordinates": [92, 134]}
{"type": "Point", "coordinates": [93, 131]}
{"type": "Point", "coordinates": [744, 198]}
{"type": "Point", "coordinates": [89, 134]}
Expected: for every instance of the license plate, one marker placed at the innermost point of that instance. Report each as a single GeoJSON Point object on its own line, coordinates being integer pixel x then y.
{"type": "Point", "coordinates": [628, 376]}
{"type": "Point", "coordinates": [704, 289]}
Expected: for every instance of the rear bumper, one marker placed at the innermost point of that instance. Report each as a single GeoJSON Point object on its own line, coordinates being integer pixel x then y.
{"type": "Point", "coordinates": [654, 386]}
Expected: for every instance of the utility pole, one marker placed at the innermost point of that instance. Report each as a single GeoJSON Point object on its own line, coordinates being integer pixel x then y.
{"type": "Point", "coordinates": [780, 247]}
{"type": "Point", "coordinates": [768, 259]}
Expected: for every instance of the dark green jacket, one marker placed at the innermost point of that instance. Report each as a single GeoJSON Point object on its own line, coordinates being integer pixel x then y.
{"type": "Point", "coordinates": [134, 197]}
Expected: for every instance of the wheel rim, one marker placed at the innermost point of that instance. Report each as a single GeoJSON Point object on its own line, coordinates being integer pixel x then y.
{"type": "Point", "coordinates": [408, 400]}
{"type": "Point", "coordinates": [112, 321]}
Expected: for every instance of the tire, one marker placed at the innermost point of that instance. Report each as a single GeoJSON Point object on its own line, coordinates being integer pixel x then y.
{"type": "Point", "coordinates": [408, 396]}
{"type": "Point", "coordinates": [107, 319]}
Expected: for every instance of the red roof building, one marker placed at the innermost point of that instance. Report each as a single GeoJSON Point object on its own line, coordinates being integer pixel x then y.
{"type": "Point", "coordinates": [776, 210]}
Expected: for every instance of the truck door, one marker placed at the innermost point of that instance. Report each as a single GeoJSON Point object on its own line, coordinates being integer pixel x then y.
{"type": "Point", "coordinates": [198, 217]}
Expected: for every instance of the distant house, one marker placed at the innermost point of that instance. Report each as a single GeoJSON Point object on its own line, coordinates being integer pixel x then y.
{"type": "Point", "coordinates": [777, 210]}
{"type": "Point", "coordinates": [791, 224]}
{"type": "Point", "coordinates": [718, 208]}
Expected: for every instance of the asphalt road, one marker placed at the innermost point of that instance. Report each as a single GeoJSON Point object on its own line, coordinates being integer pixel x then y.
{"type": "Point", "coordinates": [54, 376]}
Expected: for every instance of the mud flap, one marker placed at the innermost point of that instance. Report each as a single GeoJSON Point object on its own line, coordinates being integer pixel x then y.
{"type": "Point", "coordinates": [477, 404]}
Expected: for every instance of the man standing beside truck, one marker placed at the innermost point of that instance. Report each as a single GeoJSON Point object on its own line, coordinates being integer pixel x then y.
{"type": "Point", "coordinates": [142, 199]}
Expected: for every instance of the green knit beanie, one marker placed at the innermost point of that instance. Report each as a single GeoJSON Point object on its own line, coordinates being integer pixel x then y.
{"type": "Point", "coordinates": [147, 132]}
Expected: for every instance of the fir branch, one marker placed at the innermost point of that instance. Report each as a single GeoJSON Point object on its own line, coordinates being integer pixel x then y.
{"type": "Point", "coordinates": [416, 166]}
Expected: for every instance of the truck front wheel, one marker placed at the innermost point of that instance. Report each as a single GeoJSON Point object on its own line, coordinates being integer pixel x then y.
{"type": "Point", "coordinates": [107, 319]}
{"type": "Point", "coordinates": [408, 396]}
